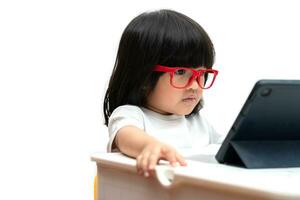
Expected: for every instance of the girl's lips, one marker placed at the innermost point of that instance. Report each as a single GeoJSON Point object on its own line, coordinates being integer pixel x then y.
{"type": "Point", "coordinates": [190, 99]}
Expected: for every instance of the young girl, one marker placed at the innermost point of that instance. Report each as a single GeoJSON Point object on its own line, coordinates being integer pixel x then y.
{"type": "Point", "coordinates": [155, 93]}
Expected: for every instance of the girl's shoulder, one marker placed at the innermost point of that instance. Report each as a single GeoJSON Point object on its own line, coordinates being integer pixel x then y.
{"type": "Point", "coordinates": [127, 111]}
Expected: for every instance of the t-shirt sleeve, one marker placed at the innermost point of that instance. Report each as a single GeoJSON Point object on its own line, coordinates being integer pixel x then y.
{"type": "Point", "coordinates": [122, 116]}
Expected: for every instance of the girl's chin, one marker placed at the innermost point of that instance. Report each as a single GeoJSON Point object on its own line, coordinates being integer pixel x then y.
{"type": "Point", "coordinates": [185, 111]}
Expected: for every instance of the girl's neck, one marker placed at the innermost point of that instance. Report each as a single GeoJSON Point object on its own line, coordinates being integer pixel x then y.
{"type": "Point", "coordinates": [158, 111]}
{"type": "Point", "coordinates": [158, 115]}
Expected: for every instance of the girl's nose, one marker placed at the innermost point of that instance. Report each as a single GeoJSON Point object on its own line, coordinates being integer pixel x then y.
{"type": "Point", "coordinates": [194, 85]}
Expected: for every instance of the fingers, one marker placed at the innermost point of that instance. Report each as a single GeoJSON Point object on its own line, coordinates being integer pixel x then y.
{"type": "Point", "coordinates": [181, 160]}
{"type": "Point", "coordinates": [149, 157]}
{"type": "Point", "coordinates": [153, 159]}
{"type": "Point", "coordinates": [139, 165]}
{"type": "Point", "coordinates": [146, 163]}
{"type": "Point", "coordinates": [170, 156]}
{"type": "Point", "coordinates": [173, 157]}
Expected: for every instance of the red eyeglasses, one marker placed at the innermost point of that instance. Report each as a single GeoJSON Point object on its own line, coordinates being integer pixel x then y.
{"type": "Point", "coordinates": [182, 77]}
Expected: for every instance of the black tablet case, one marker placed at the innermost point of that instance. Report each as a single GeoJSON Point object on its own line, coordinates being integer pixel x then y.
{"type": "Point", "coordinates": [266, 133]}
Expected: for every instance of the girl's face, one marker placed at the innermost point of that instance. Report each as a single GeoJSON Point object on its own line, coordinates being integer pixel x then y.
{"type": "Point", "coordinates": [166, 100]}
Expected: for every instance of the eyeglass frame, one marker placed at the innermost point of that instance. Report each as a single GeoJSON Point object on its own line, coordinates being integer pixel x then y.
{"type": "Point", "coordinates": [196, 74]}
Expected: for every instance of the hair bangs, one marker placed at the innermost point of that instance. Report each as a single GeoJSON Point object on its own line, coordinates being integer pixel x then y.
{"type": "Point", "coordinates": [185, 44]}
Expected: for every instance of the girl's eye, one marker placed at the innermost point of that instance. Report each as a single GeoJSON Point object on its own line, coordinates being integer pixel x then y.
{"type": "Point", "coordinates": [180, 72]}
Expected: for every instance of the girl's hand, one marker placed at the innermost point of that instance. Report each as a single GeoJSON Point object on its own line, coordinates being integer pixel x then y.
{"type": "Point", "coordinates": [152, 153]}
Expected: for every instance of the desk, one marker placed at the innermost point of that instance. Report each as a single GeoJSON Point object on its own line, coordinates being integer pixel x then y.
{"type": "Point", "coordinates": [201, 179]}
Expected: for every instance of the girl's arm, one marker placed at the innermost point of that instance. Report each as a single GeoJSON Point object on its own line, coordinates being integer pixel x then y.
{"type": "Point", "coordinates": [147, 150]}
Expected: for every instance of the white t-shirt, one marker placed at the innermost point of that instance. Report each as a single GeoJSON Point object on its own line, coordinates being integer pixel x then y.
{"type": "Point", "coordinates": [185, 134]}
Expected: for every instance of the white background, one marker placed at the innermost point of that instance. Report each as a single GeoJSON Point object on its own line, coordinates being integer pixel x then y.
{"type": "Point", "coordinates": [56, 58]}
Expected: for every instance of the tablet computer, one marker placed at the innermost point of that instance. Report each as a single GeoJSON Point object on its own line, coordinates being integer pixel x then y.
{"type": "Point", "coordinates": [266, 132]}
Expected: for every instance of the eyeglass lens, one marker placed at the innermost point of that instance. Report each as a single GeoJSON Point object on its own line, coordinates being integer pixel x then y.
{"type": "Point", "coordinates": [182, 78]}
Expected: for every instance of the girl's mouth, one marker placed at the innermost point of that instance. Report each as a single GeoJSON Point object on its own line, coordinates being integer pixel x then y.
{"type": "Point", "coordinates": [190, 99]}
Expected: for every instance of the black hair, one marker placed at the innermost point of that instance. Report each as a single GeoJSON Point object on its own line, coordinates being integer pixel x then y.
{"type": "Point", "coordinates": [162, 37]}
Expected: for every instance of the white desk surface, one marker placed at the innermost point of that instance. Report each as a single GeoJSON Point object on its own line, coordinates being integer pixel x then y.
{"type": "Point", "coordinates": [279, 183]}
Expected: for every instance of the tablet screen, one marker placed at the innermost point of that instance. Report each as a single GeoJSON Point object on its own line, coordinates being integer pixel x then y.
{"type": "Point", "coordinates": [271, 113]}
